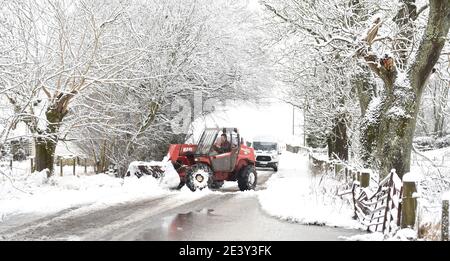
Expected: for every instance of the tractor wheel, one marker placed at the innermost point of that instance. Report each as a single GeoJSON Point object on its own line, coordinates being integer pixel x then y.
{"type": "Point", "coordinates": [216, 184]}
{"type": "Point", "coordinates": [247, 178]}
{"type": "Point", "coordinates": [181, 185]}
{"type": "Point", "coordinates": [198, 176]}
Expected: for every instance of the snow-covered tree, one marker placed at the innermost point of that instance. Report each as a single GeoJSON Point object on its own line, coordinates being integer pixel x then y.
{"type": "Point", "coordinates": [53, 51]}
{"type": "Point", "coordinates": [400, 44]}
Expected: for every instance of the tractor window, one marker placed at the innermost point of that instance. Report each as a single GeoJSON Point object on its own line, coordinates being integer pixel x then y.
{"type": "Point", "coordinates": [206, 141]}
{"type": "Point", "coordinates": [235, 141]}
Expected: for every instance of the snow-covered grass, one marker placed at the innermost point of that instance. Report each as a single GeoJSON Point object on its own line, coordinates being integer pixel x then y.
{"type": "Point", "coordinates": [406, 234]}
{"type": "Point", "coordinates": [295, 195]}
{"type": "Point", "coordinates": [22, 192]}
{"type": "Point", "coordinates": [446, 196]}
{"type": "Point", "coordinates": [432, 173]}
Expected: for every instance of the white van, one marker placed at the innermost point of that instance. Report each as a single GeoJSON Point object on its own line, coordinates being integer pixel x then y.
{"type": "Point", "coordinates": [267, 151]}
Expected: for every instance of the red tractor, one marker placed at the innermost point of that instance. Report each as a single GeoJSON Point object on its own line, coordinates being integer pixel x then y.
{"type": "Point", "coordinates": [205, 165]}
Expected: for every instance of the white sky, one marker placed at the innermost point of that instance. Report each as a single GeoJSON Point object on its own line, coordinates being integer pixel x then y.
{"type": "Point", "coordinates": [270, 118]}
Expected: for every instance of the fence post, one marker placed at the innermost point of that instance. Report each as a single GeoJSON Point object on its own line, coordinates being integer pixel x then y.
{"type": "Point", "coordinates": [10, 164]}
{"type": "Point", "coordinates": [409, 204]}
{"type": "Point", "coordinates": [60, 167]}
{"type": "Point", "coordinates": [32, 165]}
{"type": "Point", "coordinates": [365, 179]}
{"type": "Point", "coordinates": [85, 166]}
{"type": "Point", "coordinates": [355, 216]}
{"type": "Point", "coordinates": [444, 221]}
{"type": "Point", "coordinates": [338, 167]}
{"type": "Point", "coordinates": [74, 164]}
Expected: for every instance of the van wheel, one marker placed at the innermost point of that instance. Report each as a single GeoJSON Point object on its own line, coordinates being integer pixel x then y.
{"type": "Point", "coordinates": [275, 168]}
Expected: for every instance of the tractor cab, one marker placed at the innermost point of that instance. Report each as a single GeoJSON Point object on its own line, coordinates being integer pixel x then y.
{"type": "Point", "coordinates": [222, 159]}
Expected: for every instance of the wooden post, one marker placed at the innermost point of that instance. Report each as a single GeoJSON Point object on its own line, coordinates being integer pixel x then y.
{"type": "Point", "coordinates": [337, 168]}
{"type": "Point", "coordinates": [85, 166]}
{"type": "Point", "coordinates": [10, 164]}
{"type": "Point", "coordinates": [74, 164]}
{"type": "Point", "coordinates": [355, 216]}
{"type": "Point", "coordinates": [365, 179]}
{"type": "Point", "coordinates": [31, 165]}
{"type": "Point", "coordinates": [409, 205]}
{"type": "Point", "coordinates": [444, 221]}
{"type": "Point", "coordinates": [60, 167]}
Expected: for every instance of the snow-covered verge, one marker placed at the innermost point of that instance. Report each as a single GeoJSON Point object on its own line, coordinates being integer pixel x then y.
{"type": "Point", "coordinates": [22, 192]}
{"type": "Point", "coordinates": [432, 171]}
{"type": "Point", "coordinates": [293, 194]}
{"type": "Point", "coordinates": [406, 234]}
{"type": "Point", "coordinates": [296, 195]}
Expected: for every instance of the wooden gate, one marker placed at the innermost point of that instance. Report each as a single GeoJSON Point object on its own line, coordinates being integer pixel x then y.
{"type": "Point", "coordinates": [379, 211]}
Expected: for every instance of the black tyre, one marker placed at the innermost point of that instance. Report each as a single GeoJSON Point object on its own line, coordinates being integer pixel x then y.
{"type": "Point", "coordinates": [178, 166]}
{"type": "Point", "coordinates": [275, 168]}
{"type": "Point", "coordinates": [199, 176]}
{"type": "Point", "coordinates": [181, 185]}
{"type": "Point", "coordinates": [247, 178]}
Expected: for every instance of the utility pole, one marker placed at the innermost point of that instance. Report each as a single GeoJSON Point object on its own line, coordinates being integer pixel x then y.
{"type": "Point", "coordinates": [293, 120]}
{"type": "Point", "coordinates": [304, 127]}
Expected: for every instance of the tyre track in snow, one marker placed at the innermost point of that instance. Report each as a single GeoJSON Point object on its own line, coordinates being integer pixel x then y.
{"type": "Point", "coordinates": [77, 223]}
{"type": "Point", "coordinates": [87, 223]}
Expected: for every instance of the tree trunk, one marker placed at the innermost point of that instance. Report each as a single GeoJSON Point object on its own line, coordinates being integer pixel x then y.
{"type": "Point", "coordinates": [46, 145]}
{"type": "Point", "coordinates": [396, 131]}
{"type": "Point", "coordinates": [440, 98]}
{"type": "Point", "coordinates": [337, 140]}
{"type": "Point", "coordinates": [45, 154]}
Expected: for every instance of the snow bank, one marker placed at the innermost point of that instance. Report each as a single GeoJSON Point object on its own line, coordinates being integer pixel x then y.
{"type": "Point", "coordinates": [35, 193]}
{"type": "Point", "coordinates": [412, 177]}
{"type": "Point", "coordinates": [434, 170]}
{"type": "Point", "coordinates": [377, 236]}
{"type": "Point", "coordinates": [321, 157]}
{"type": "Point", "coordinates": [406, 234]}
{"type": "Point", "coordinates": [446, 196]}
{"type": "Point", "coordinates": [290, 195]}
{"type": "Point", "coordinates": [168, 177]}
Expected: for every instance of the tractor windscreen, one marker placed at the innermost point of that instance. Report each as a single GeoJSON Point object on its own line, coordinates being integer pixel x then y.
{"type": "Point", "coordinates": [206, 141]}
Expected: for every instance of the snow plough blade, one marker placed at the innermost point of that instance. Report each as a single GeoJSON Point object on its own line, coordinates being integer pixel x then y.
{"type": "Point", "coordinates": [163, 171]}
{"type": "Point", "coordinates": [139, 169]}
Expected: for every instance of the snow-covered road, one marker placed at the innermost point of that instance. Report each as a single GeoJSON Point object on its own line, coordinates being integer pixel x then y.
{"type": "Point", "coordinates": [211, 216]}
{"type": "Point", "coordinates": [227, 214]}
